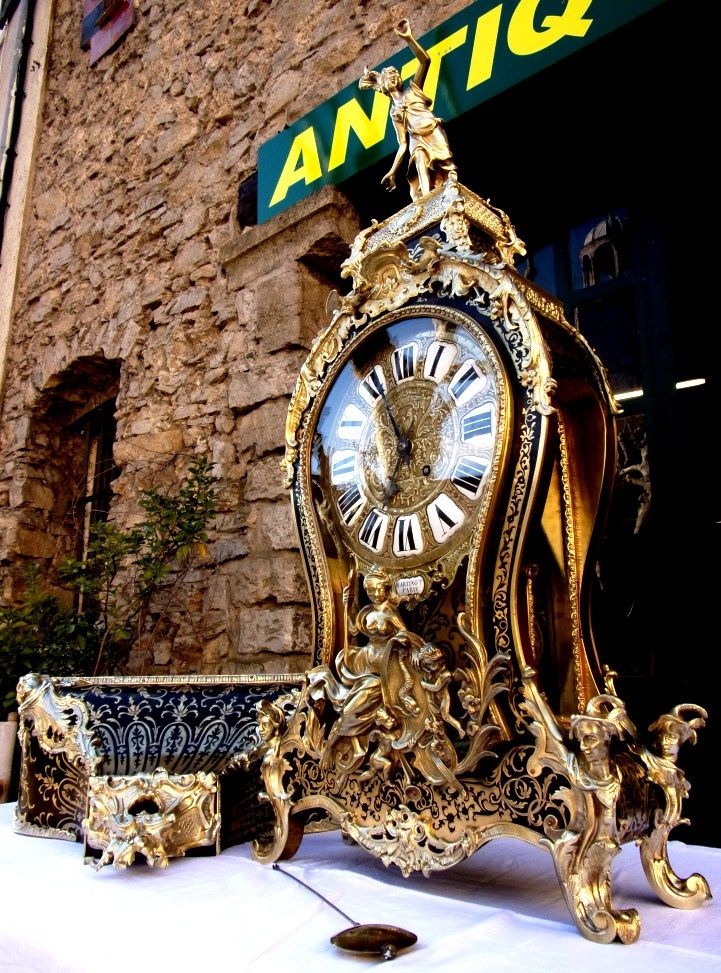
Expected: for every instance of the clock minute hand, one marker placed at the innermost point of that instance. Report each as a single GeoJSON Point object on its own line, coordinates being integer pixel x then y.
{"type": "Point", "coordinates": [403, 443]}
{"type": "Point", "coordinates": [396, 427]}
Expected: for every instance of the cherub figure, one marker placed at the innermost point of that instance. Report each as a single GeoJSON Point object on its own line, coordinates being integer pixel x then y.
{"type": "Point", "coordinates": [430, 661]}
{"type": "Point", "coordinates": [431, 163]}
{"type": "Point", "coordinates": [455, 226]}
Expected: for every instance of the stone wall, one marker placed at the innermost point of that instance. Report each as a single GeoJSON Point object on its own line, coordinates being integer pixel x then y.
{"type": "Point", "coordinates": [137, 280]}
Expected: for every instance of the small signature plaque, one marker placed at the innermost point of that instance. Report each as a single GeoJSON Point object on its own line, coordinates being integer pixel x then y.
{"type": "Point", "coordinates": [410, 586]}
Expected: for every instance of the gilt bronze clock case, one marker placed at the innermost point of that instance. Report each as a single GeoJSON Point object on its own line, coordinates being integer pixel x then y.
{"type": "Point", "coordinates": [450, 450]}
{"type": "Point", "coordinates": [404, 477]}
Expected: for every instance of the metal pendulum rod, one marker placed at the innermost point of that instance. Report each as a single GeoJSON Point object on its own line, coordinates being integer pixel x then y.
{"type": "Point", "coordinates": [315, 892]}
{"type": "Point", "coordinates": [381, 940]}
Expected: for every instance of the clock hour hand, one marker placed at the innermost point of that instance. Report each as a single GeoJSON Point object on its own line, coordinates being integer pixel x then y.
{"type": "Point", "coordinates": [391, 488]}
{"type": "Point", "coordinates": [403, 458]}
{"type": "Point", "coordinates": [396, 427]}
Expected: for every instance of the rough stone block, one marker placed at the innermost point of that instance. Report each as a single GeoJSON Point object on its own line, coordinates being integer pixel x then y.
{"type": "Point", "coordinates": [218, 595]}
{"type": "Point", "coordinates": [215, 650]}
{"type": "Point", "coordinates": [194, 218]}
{"type": "Point", "coordinates": [33, 543]}
{"type": "Point", "coordinates": [265, 480]}
{"type": "Point", "coordinates": [168, 442]}
{"type": "Point", "coordinates": [283, 92]}
{"type": "Point", "coordinates": [33, 493]}
{"type": "Point", "coordinates": [290, 308]}
{"type": "Point", "coordinates": [269, 379]}
{"type": "Point", "coordinates": [21, 428]}
{"type": "Point", "coordinates": [188, 299]}
{"type": "Point", "coordinates": [258, 578]}
{"type": "Point", "coordinates": [8, 532]}
{"type": "Point", "coordinates": [224, 424]}
{"type": "Point", "coordinates": [162, 653]}
{"type": "Point", "coordinates": [271, 527]}
{"type": "Point", "coordinates": [229, 548]}
{"type": "Point", "coordinates": [223, 454]}
{"type": "Point", "coordinates": [263, 430]}
{"type": "Point", "coordinates": [282, 630]}
{"type": "Point", "coordinates": [174, 140]}
{"type": "Point", "coordinates": [49, 203]}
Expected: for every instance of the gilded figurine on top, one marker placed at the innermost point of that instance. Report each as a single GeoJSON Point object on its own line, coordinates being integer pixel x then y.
{"type": "Point", "coordinates": [418, 130]}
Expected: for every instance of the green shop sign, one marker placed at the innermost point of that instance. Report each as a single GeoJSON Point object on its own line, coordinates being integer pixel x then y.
{"type": "Point", "coordinates": [477, 53]}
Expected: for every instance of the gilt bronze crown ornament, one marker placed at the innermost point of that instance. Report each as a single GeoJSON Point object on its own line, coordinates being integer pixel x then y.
{"type": "Point", "coordinates": [450, 451]}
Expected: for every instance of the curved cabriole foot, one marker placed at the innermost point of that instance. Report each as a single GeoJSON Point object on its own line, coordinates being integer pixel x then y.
{"type": "Point", "coordinates": [681, 893]}
{"type": "Point", "coordinates": [285, 839]}
{"type": "Point", "coordinates": [671, 731]}
{"type": "Point", "coordinates": [586, 883]}
{"type": "Point", "coordinates": [605, 926]}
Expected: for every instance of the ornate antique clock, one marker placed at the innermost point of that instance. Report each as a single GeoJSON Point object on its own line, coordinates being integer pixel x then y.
{"type": "Point", "coordinates": [450, 449]}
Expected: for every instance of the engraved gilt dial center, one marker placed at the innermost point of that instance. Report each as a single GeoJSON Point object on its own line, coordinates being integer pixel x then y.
{"type": "Point", "coordinates": [410, 432]}
{"type": "Point", "coordinates": [407, 449]}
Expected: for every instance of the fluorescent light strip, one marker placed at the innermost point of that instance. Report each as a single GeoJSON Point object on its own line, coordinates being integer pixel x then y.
{"type": "Point", "coordinates": [690, 382]}
{"type": "Point", "coordinates": [637, 393]}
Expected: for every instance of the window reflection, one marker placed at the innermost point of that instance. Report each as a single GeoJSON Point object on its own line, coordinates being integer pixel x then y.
{"type": "Point", "coordinates": [608, 322]}
{"type": "Point", "coordinates": [599, 250]}
{"type": "Point", "coordinates": [588, 265]}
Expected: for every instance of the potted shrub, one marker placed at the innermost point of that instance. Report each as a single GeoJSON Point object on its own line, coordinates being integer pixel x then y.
{"type": "Point", "coordinates": [123, 570]}
{"type": "Point", "coordinates": [39, 635]}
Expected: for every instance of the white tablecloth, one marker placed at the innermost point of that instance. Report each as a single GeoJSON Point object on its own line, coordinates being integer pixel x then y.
{"type": "Point", "coordinates": [502, 910]}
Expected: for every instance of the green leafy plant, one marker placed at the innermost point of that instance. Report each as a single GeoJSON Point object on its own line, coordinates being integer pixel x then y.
{"type": "Point", "coordinates": [44, 636]}
{"type": "Point", "coordinates": [123, 571]}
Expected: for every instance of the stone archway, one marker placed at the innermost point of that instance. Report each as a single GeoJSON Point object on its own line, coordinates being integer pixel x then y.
{"type": "Point", "coordinates": [56, 467]}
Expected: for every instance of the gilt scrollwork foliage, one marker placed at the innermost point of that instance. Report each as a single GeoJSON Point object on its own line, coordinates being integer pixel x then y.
{"type": "Point", "coordinates": [59, 721]}
{"type": "Point", "coordinates": [51, 793]}
{"type": "Point", "coordinates": [511, 532]}
{"type": "Point", "coordinates": [416, 825]}
{"type": "Point", "coordinates": [155, 815]}
{"type": "Point", "coordinates": [406, 839]}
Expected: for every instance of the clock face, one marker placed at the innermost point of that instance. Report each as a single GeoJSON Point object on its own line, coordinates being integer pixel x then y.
{"type": "Point", "coordinates": [407, 439]}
